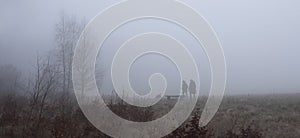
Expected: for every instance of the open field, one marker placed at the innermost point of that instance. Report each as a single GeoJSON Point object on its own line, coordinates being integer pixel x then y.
{"type": "Point", "coordinates": [265, 116]}
{"type": "Point", "coordinates": [273, 115]}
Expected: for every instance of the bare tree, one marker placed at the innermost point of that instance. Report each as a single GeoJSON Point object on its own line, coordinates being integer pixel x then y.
{"type": "Point", "coordinates": [9, 79]}
{"type": "Point", "coordinates": [41, 87]}
{"type": "Point", "coordinates": [9, 87]}
{"type": "Point", "coordinates": [68, 30]}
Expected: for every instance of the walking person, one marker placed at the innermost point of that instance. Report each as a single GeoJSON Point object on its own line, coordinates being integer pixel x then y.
{"type": "Point", "coordinates": [192, 88]}
{"type": "Point", "coordinates": [184, 88]}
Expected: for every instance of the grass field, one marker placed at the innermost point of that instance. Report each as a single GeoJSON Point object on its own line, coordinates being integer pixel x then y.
{"type": "Point", "coordinates": [271, 116]}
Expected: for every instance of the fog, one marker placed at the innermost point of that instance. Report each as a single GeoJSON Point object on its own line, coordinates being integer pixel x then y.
{"type": "Point", "coordinates": [260, 39]}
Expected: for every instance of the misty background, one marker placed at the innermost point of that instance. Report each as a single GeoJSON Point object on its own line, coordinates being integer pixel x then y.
{"type": "Point", "coordinates": [260, 39]}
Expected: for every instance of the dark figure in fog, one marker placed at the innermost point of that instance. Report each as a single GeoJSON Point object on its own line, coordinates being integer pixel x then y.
{"type": "Point", "coordinates": [192, 88]}
{"type": "Point", "coordinates": [184, 88]}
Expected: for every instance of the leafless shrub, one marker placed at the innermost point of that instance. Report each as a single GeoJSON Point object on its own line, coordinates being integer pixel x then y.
{"type": "Point", "coordinates": [191, 129]}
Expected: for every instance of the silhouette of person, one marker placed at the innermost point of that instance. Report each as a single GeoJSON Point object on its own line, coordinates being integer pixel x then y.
{"type": "Point", "coordinates": [184, 88]}
{"type": "Point", "coordinates": [192, 88]}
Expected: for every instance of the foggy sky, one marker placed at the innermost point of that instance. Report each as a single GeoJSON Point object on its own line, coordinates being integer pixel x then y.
{"type": "Point", "coordinates": [260, 38]}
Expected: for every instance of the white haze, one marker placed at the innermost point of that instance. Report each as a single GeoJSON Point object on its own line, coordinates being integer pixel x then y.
{"type": "Point", "coordinates": [260, 39]}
